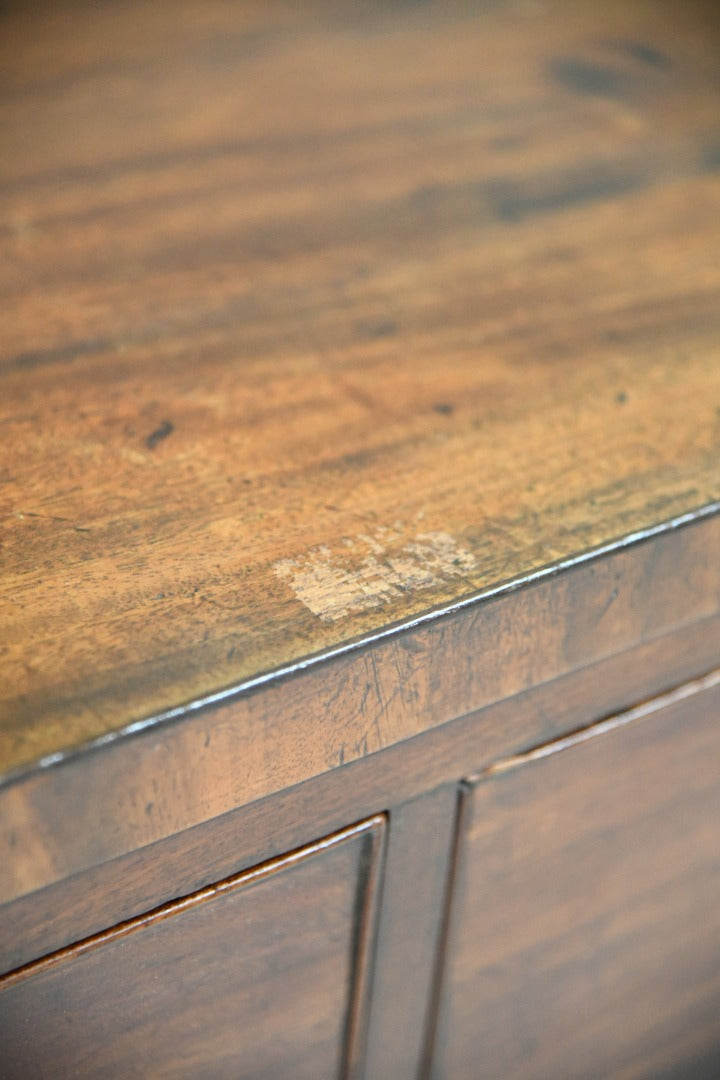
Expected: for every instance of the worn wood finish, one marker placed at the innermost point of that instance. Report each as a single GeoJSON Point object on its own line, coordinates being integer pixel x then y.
{"type": "Point", "coordinates": [585, 929]}
{"type": "Point", "coordinates": [129, 794]}
{"type": "Point", "coordinates": [316, 316]}
{"type": "Point", "coordinates": [359, 432]}
{"type": "Point", "coordinates": [261, 976]}
{"type": "Point", "coordinates": [113, 891]}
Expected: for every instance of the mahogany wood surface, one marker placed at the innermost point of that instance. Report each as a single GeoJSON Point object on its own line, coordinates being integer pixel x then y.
{"type": "Point", "coordinates": [261, 976]}
{"type": "Point", "coordinates": [116, 890]}
{"type": "Point", "coordinates": [319, 315]}
{"type": "Point", "coordinates": [359, 433]}
{"type": "Point", "coordinates": [137, 790]}
{"type": "Point", "coordinates": [585, 922]}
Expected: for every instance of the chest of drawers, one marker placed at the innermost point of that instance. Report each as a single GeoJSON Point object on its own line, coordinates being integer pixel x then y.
{"type": "Point", "coordinates": [360, 598]}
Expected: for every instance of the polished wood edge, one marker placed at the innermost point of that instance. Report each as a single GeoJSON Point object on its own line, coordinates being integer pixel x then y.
{"type": "Point", "coordinates": [226, 696]}
{"type": "Point", "coordinates": [585, 734]}
{"type": "Point", "coordinates": [371, 826]}
{"type": "Point", "coordinates": [365, 947]}
{"type": "Point", "coordinates": [109, 892]}
{"type": "Point", "coordinates": [433, 1009]}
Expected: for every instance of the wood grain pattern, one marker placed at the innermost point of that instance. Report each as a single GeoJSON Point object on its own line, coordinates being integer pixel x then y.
{"type": "Point", "coordinates": [70, 907]}
{"type": "Point", "coordinates": [261, 976]}
{"type": "Point", "coordinates": [316, 316]}
{"type": "Point", "coordinates": [131, 793]}
{"type": "Point", "coordinates": [585, 929]}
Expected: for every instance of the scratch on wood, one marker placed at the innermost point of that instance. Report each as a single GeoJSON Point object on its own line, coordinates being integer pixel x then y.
{"type": "Point", "coordinates": [372, 570]}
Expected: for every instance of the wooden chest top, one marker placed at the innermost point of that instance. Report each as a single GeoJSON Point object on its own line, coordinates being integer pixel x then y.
{"type": "Point", "coordinates": [320, 319]}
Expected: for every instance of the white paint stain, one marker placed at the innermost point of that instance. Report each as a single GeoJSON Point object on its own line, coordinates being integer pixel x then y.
{"type": "Point", "coordinates": [372, 570]}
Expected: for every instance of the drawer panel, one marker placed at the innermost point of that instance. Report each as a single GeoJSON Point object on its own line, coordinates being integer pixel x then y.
{"type": "Point", "coordinates": [584, 934]}
{"type": "Point", "coordinates": [262, 975]}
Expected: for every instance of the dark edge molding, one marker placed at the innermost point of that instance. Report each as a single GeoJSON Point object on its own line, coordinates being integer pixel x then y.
{"type": "Point", "coordinates": [374, 827]}
{"type": "Point", "coordinates": [230, 694]}
{"type": "Point", "coordinates": [364, 945]}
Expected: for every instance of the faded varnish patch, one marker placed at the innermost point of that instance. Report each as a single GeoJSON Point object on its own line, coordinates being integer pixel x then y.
{"type": "Point", "coordinates": [372, 570]}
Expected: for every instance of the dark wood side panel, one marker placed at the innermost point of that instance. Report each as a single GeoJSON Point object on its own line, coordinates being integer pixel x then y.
{"type": "Point", "coordinates": [585, 929]}
{"type": "Point", "coordinates": [86, 903]}
{"type": "Point", "coordinates": [264, 975]}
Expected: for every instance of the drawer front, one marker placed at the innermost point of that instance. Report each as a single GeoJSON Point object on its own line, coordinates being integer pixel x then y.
{"type": "Point", "coordinates": [584, 932]}
{"type": "Point", "coordinates": [260, 976]}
